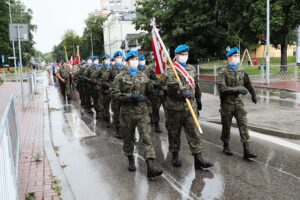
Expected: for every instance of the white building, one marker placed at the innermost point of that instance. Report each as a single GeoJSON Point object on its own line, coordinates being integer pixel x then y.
{"type": "Point", "coordinates": [108, 6]}
{"type": "Point", "coordinates": [116, 29]}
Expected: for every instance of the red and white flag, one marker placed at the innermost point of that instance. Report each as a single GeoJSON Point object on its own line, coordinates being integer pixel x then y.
{"type": "Point", "coordinates": [159, 56]}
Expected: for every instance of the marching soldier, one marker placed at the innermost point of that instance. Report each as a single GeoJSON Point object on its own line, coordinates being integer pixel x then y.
{"type": "Point", "coordinates": [80, 82]}
{"type": "Point", "coordinates": [88, 85]}
{"type": "Point", "coordinates": [232, 82]}
{"type": "Point", "coordinates": [105, 95]}
{"type": "Point", "coordinates": [115, 104]}
{"type": "Point", "coordinates": [96, 86]}
{"type": "Point", "coordinates": [155, 97]}
{"type": "Point", "coordinates": [130, 88]}
{"type": "Point", "coordinates": [64, 75]}
{"type": "Point", "coordinates": [178, 114]}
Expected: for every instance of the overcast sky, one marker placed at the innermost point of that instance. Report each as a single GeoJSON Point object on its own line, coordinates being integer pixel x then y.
{"type": "Point", "coordinates": [53, 17]}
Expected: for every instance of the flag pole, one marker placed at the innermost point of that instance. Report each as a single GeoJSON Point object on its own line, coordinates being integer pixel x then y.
{"type": "Point", "coordinates": [177, 77]}
{"type": "Point", "coordinates": [66, 54]}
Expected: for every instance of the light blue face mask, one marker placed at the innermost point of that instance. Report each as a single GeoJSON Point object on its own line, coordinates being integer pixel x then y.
{"type": "Point", "coordinates": [234, 67]}
{"type": "Point", "coordinates": [133, 72]}
{"type": "Point", "coordinates": [118, 66]}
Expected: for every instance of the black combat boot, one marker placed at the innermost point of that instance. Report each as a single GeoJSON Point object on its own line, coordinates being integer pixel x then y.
{"type": "Point", "coordinates": [118, 134]}
{"type": "Point", "coordinates": [200, 163]}
{"type": "Point", "coordinates": [175, 160]}
{"type": "Point", "coordinates": [131, 164]}
{"type": "Point", "coordinates": [152, 171]}
{"type": "Point", "coordinates": [247, 153]}
{"type": "Point", "coordinates": [157, 128]}
{"type": "Point", "coordinates": [226, 149]}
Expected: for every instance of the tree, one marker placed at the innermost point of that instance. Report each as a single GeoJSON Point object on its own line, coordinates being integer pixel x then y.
{"type": "Point", "coordinates": [186, 21]}
{"type": "Point", "coordinates": [247, 20]}
{"type": "Point", "coordinates": [93, 29]}
{"type": "Point", "coordinates": [71, 40]}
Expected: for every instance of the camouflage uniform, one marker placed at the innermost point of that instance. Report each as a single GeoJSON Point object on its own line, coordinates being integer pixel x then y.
{"type": "Point", "coordinates": [133, 114]}
{"type": "Point", "coordinates": [65, 73]}
{"type": "Point", "coordinates": [231, 104]}
{"type": "Point", "coordinates": [178, 114]}
{"type": "Point", "coordinates": [88, 86]}
{"type": "Point", "coordinates": [96, 75]}
{"type": "Point", "coordinates": [106, 82]}
{"type": "Point", "coordinates": [115, 103]}
{"type": "Point", "coordinates": [80, 84]}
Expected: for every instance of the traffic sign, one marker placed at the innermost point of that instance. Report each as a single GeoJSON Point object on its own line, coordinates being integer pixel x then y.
{"type": "Point", "coordinates": [23, 31]}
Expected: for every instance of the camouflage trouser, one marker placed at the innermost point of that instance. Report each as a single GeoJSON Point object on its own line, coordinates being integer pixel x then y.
{"type": "Point", "coordinates": [96, 97]}
{"type": "Point", "coordinates": [88, 95]}
{"type": "Point", "coordinates": [177, 120]}
{"type": "Point", "coordinates": [155, 104]}
{"type": "Point", "coordinates": [65, 89]}
{"type": "Point", "coordinates": [115, 105]}
{"type": "Point", "coordinates": [227, 112]}
{"type": "Point", "coordinates": [128, 123]}
{"type": "Point", "coordinates": [105, 103]}
{"type": "Point", "coordinates": [81, 92]}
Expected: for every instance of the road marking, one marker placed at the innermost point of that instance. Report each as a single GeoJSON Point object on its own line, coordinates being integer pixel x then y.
{"type": "Point", "coordinates": [275, 140]}
{"type": "Point", "coordinates": [78, 127]}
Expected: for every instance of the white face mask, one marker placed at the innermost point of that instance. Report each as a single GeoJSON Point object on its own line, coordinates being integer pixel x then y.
{"type": "Point", "coordinates": [106, 62]}
{"type": "Point", "coordinates": [235, 61]}
{"type": "Point", "coordinates": [183, 59]}
{"type": "Point", "coordinates": [113, 62]}
{"type": "Point", "coordinates": [142, 62]}
{"type": "Point", "coordinates": [119, 60]}
{"type": "Point", "coordinates": [89, 61]}
{"type": "Point", "coordinates": [134, 64]}
{"type": "Point", "coordinates": [96, 62]}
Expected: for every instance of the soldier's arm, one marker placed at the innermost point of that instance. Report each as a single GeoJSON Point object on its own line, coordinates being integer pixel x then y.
{"type": "Point", "coordinates": [222, 86]}
{"type": "Point", "coordinates": [172, 83]}
{"type": "Point", "coordinates": [198, 92]}
{"type": "Point", "coordinates": [59, 76]}
{"type": "Point", "coordinates": [248, 84]}
{"type": "Point", "coordinates": [105, 80]}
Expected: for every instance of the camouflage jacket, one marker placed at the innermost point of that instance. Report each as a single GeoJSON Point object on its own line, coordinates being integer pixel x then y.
{"type": "Point", "coordinates": [174, 99]}
{"type": "Point", "coordinates": [65, 72]}
{"type": "Point", "coordinates": [78, 76]}
{"type": "Point", "coordinates": [125, 85]}
{"type": "Point", "coordinates": [96, 76]}
{"type": "Point", "coordinates": [228, 80]}
{"type": "Point", "coordinates": [87, 74]}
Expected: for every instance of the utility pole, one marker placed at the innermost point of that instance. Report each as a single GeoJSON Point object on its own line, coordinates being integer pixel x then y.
{"type": "Point", "coordinates": [268, 43]}
{"type": "Point", "coordinates": [13, 43]}
{"type": "Point", "coordinates": [298, 46]}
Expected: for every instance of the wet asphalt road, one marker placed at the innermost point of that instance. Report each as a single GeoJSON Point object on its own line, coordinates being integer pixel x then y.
{"type": "Point", "coordinates": [95, 167]}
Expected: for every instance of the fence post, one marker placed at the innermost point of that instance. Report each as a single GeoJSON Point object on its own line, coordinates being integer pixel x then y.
{"type": "Point", "coordinates": [215, 73]}
{"type": "Point", "coordinates": [296, 72]}
{"type": "Point", "coordinates": [262, 74]}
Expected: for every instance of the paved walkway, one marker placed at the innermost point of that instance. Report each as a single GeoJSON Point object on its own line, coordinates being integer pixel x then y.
{"type": "Point", "coordinates": [34, 171]}
{"type": "Point", "coordinates": [272, 118]}
{"type": "Point", "coordinates": [284, 85]}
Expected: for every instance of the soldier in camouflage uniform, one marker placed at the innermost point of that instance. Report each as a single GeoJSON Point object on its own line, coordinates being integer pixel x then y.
{"type": "Point", "coordinates": [88, 85]}
{"type": "Point", "coordinates": [63, 75]}
{"type": "Point", "coordinates": [155, 98]}
{"type": "Point", "coordinates": [105, 89]}
{"type": "Point", "coordinates": [80, 82]}
{"type": "Point", "coordinates": [178, 114]}
{"type": "Point", "coordinates": [115, 103]}
{"type": "Point", "coordinates": [130, 88]}
{"type": "Point", "coordinates": [232, 82]}
{"type": "Point", "coordinates": [96, 74]}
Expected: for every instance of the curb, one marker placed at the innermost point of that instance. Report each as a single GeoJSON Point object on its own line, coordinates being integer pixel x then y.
{"type": "Point", "coordinates": [55, 166]}
{"type": "Point", "coordinates": [262, 130]}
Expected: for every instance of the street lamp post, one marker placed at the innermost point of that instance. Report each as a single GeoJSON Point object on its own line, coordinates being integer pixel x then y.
{"type": "Point", "coordinates": [268, 44]}
{"type": "Point", "coordinates": [298, 46]}
{"type": "Point", "coordinates": [13, 43]}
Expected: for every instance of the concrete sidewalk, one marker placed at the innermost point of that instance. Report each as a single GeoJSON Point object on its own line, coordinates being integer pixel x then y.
{"type": "Point", "coordinates": [268, 118]}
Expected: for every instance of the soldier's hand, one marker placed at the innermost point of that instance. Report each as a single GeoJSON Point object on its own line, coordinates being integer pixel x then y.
{"type": "Point", "coordinates": [185, 93]}
{"type": "Point", "coordinates": [63, 80]}
{"type": "Point", "coordinates": [254, 100]}
{"type": "Point", "coordinates": [242, 90]}
{"type": "Point", "coordinates": [138, 98]}
{"type": "Point", "coordinates": [199, 105]}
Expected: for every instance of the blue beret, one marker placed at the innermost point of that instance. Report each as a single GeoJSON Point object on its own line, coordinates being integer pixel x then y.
{"type": "Point", "coordinates": [118, 53]}
{"type": "Point", "coordinates": [131, 54]}
{"type": "Point", "coordinates": [232, 51]}
{"type": "Point", "coordinates": [82, 63]}
{"type": "Point", "coordinates": [95, 57]}
{"type": "Point", "coordinates": [105, 56]}
{"type": "Point", "coordinates": [181, 48]}
{"type": "Point", "coordinates": [142, 57]}
{"type": "Point", "coordinates": [90, 57]}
